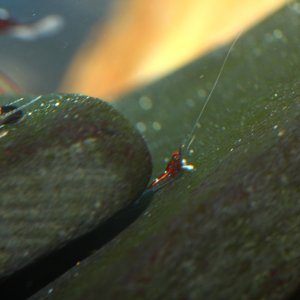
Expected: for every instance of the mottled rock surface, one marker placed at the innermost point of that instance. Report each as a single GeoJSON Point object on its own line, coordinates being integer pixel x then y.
{"type": "Point", "coordinates": [70, 164]}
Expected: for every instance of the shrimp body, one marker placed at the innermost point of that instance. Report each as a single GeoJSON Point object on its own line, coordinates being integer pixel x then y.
{"type": "Point", "coordinates": [173, 170]}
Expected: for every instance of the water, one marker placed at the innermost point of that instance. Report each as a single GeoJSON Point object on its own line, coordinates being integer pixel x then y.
{"type": "Point", "coordinates": [38, 66]}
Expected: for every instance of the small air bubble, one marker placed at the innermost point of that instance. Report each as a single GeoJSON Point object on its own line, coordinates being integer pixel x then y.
{"type": "Point", "coordinates": [257, 51]}
{"type": "Point", "coordinates": [50, 291]}
{"type": "Point", "coordinates": [57, 104]}
{"type": "Point", "coordinates": [201, 93]}
{"type": "Point", "coordinates": [156, 126]}
{"type": "Point", "coordinates": [4, 14]}
{"type": "Point", "coordinates": [296, 7]}
{"type": "Point", "coordinates": [269, 37]}
{"type": "Point", "coordinates": [231, 149]}
{"type": "Point", "coordinates": [145, 103]}
{"type": "Point", "coordinates": [147, 214]}
{"type": "Point", "coordinates": [275, 126]}
{"type": "Point", "coordinates": [90, 141]}
{"type": "Point", "coordinates": [26, 253]}
{"type": "Point", "coordinates": [284, 179]}
{"type": "Point", "coordinates": [191, 152]}
{"type": "Point", "coordinates": [190, 103]}
{"type": "Point", "coordinates": [141, 127]}
{"type": "Point", "coordinates": [97, 204]}
{"type": "Point", "coordinates": [278, 34]}
{"type": "Point", "coordinates": [281, 132]}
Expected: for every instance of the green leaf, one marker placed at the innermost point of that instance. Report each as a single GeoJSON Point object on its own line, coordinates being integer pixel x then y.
{"type": "Point", "coordinates": [229, 230]}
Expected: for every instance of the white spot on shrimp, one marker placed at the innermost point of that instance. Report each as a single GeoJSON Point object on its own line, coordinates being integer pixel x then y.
{"type": "Point", "coordinates": [188, 167]}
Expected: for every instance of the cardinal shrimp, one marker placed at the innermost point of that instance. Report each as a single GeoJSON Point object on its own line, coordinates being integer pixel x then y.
{"type": "Point", "coordinates": [178, 162]}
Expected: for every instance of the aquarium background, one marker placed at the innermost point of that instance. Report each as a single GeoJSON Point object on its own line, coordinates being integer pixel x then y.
{"type": "Point", "coordinates": [38, 66]}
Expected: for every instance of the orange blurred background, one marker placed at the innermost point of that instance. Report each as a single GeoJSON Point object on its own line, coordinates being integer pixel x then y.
{"type": "Point", "coordinates": [145, 40]}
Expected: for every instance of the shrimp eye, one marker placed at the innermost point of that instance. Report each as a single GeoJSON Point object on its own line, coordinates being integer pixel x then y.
{"type": "Point", "coordinates": [10, 114]}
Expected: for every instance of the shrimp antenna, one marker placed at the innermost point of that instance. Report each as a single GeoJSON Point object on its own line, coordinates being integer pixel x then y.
{"type": "Point", "coordinates": [191, 136]}
{"type": "Point", "coordinates": [6, 115]}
